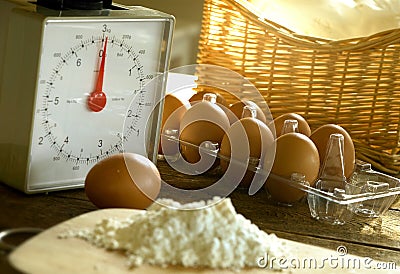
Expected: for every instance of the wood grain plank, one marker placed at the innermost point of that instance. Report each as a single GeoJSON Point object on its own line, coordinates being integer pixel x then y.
{"type": "Point", "coordinates": [380, 232]}
{"type": "Point", "coordinates": [40, 210]}
{"type": "Point", "coordinates": [76, 255]}
{"type": "Point", "coordinates": [362, 236]}
{"type": "Point", "coordinates": [374, 253]}
{"type": "Point", "coordinates": [383, 231]}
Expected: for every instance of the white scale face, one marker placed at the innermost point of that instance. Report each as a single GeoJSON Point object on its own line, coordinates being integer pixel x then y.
{"type": "Point", "coordinates": [94, 95]}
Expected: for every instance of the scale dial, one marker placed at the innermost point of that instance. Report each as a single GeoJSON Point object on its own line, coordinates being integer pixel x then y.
{"type": "Point", "coordinates": [94, 95]}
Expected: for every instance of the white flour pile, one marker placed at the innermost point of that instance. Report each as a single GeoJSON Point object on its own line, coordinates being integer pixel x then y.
{"type": "Point", "coordinates": [214, 236]}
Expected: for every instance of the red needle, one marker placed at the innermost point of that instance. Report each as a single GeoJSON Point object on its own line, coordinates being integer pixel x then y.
{"type": "Point", "coordinates": [97, 99]}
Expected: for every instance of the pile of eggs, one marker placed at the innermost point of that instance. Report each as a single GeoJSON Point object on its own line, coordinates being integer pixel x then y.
{"type": "Point", "coordinates": [242, 126]}
{"type": "Point", "coordinates": [239, 132]}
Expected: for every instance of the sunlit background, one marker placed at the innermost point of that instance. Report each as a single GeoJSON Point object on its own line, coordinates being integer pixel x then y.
{"type": "Point", "coordinates": [188, 14]}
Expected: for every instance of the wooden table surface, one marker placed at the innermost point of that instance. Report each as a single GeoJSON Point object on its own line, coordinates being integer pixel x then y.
{"type": "Point", "coordinates": [376, 238]}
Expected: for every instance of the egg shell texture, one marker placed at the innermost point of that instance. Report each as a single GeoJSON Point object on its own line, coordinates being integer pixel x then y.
{"type": "Point", "coordinates": [198, 97]}
{"type": "Point", "coordinates": [125, 180]}
{"type": "Point", "coordinates": [204, 121]}
{"type": "Point", "coordinates": [320, 137]}
{"type": "Point", "coordinates": [237, 109]}
{"type": "Point", "coordinates": [174, 109]}
{"type": "Point", "coordinates": [258, 137]}
{"type": "Point", "coordinates": [295, 153]}
{"type": "Point", "coordinates": [279, 121]}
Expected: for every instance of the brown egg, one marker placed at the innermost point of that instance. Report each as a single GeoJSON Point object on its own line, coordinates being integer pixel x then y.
{"type": "Point", "coordinates": [204, 121]}
{"type": "Point", "coordinates": [256, 134]}
{"type": "Point", "coordinates": [320, 138]}
{"type": "Point", "coordinates": [198, 97]}
{"type": "Point", "coordinates": [173, 111]}
{"type": "Point", "coordinates": [237, 109]}
{"type": "Point", "coordinates": [279, 121]}
{"type": "Point", "coordinates": [125, 180]}
{"type": "Point", "coordinates": [295, 153]}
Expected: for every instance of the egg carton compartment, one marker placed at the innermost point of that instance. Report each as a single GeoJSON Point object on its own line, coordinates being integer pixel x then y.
{"type": "Point", "coordinates": [334, 198]}
{"type": "Point", "coordinates": [367, 181]}
{"type": "Point", "coordinates": [366, 193]}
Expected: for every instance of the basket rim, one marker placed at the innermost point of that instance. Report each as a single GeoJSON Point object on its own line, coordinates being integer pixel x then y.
{"type": "Point", "coordinates": [319, 44]}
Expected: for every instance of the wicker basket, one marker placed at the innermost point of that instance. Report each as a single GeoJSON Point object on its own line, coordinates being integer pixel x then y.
{"type": "Point", "coordinates": [354, 83]}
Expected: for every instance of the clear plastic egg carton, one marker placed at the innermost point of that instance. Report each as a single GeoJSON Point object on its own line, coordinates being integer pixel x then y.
{"type": "Point", "coordinates": [332, 199]}
{"type": "Point", "coordinates": [367, 193]}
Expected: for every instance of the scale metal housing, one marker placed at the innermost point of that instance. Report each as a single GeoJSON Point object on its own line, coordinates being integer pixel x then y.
{"type": "Point", "coordinates": [49, 65]}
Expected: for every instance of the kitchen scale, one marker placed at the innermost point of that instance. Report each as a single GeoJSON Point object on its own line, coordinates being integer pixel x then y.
{"type": "Point", "coordinates": [79, 81]}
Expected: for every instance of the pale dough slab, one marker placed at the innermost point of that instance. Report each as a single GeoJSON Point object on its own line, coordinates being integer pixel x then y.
{"type": "Point", "coordinates": [47, 253]}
